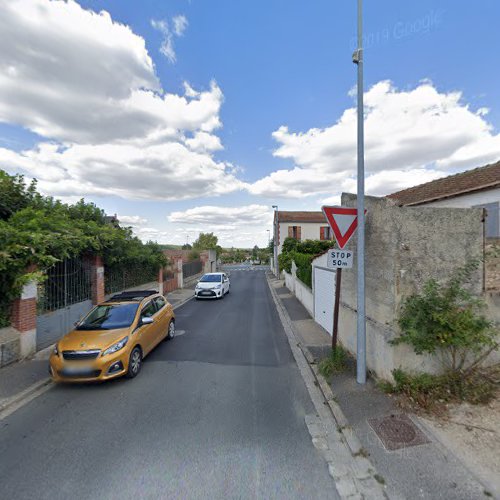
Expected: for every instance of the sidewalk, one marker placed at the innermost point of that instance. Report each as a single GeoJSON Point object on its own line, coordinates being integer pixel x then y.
{"type": "Point", "coordinates": [19, 380]}
{"type": "Point", "coordinates": [411, 470]}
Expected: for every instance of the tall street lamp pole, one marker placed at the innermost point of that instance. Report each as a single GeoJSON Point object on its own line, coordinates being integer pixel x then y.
{"type": "Point", "coordinates": [276, 243]}
{"type": "Point", "coordinates": [361, 330]}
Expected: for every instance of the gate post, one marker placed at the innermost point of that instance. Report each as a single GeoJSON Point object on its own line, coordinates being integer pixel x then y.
{"type": "Point", "coordinates": [180, 274]}
{"type": "Point", "coordinates": [96, 278]}
{"type": "Point", "coordinates": [24, 319]}
{"type": "Point", "coordinates": [160, 281]}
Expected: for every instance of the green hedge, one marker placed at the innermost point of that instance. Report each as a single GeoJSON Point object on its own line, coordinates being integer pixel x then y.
{"type": "Point", "coordinates": [302, 253]}
{"type": "Point", "coordinates": [37, 230]}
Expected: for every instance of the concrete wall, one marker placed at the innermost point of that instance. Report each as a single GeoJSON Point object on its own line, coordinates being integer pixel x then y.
{"type": "Point", "coordinates": [300, 290]}
{"type": "Point", "coordinates": [405, 246]}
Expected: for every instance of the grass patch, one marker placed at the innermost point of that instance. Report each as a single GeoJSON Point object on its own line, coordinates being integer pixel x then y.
{"type": "Point", "coordinates": [336, 362]}
{"type": "Point", "coordinates": [427, 391]}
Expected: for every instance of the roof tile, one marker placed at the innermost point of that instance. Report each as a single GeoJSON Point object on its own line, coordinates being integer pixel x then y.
{"type": "Point", "coordinates": [453, 185]}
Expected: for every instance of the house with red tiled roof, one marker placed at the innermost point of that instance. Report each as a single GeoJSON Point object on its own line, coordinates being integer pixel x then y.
{"type": "Point", "coordinates": [301, 226]}
{"type": "Point", "coordinates": [478, 188]}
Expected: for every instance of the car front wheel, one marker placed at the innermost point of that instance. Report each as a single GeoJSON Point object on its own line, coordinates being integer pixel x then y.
{"type": "Point", "coordinates": [134, 363]}
{"type": "Point", "coordinates": [171, 330]}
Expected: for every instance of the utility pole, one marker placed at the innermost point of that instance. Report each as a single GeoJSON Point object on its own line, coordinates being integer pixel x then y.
{"type": "Point", "coordinates": [358, 57]}
{"type": "Point", "coordinates": [276, 241]}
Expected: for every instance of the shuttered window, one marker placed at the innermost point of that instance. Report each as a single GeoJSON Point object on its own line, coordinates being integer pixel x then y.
{"type": "Point", "coordinates": [325, 233]}
{"type": "Point", "coordinates": [295, 232]}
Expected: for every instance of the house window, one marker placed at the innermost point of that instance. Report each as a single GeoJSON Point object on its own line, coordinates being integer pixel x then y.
{"type": "Point", "coordinates": [325, 233]}
{"type": "Point", "coordinates": [295, 232]}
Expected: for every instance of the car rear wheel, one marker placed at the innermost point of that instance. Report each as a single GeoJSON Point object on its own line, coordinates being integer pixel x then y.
{"type": "Point", "coordinates": [171, 330]}
{"type": "Point", "coordinates": [135, 362]}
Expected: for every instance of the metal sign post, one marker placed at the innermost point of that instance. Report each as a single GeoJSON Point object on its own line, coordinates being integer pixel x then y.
{"type": "Point", "coordinates": [335, 332]}
{"type": "Point", "coordinates": [361, 330]}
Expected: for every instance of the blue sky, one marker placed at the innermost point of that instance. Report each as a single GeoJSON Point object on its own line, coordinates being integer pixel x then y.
{"type": "Point", "coordinates": [252, 104]}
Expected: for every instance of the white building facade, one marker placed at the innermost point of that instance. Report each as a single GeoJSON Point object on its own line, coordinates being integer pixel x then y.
{"type": "Point", "coordinates": [300, 226]}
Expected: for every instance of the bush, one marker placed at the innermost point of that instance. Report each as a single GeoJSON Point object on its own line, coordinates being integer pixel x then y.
{"type": "Point", "coordinates": [304, 267]}
{"type": "Point", "coordinates": [445, 320]}
{"type": "Point", "coordinates": [302, 253]}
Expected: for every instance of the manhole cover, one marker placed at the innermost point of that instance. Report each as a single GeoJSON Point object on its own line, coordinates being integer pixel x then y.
{"type": "Point", "coordinates": [397, 431]}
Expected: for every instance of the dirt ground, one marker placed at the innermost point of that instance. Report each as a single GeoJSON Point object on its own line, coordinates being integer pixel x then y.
{"type": "Point", "coordinates": [472, 432]}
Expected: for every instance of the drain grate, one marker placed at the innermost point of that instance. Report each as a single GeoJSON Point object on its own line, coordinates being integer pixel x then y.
{"type": "Point", "coordinates": [397, 431]}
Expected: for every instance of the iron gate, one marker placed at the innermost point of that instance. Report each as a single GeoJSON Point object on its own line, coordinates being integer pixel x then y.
{"type": "Point", "coordinates": [63, 298]}
{"type": "Point", "coordinates": [191, 268]}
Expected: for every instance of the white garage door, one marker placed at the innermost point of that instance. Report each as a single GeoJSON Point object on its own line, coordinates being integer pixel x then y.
{"type": "Point", "coordinates": [324, 298]}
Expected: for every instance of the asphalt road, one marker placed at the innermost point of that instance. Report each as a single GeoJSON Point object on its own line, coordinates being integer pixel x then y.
{"type": "Point", "coordinates": [216, 413]}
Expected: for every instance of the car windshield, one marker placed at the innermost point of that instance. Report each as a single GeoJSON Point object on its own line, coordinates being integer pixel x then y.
{"type": "Point", "coordinates": [109, 317]}
{"type": "Point", "coordinates": [211, 278]}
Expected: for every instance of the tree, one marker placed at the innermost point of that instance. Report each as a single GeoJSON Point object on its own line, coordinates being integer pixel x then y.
{"type": "Point", "coordinates": [186, 246]}
{"type": "Point", "coordinates": [14, 195]}
{"type": "Point", "coordinates": [206, 241]}
{"type": "Point", "coordinates": [270, 247]}
{"type": "Point", "coordinates": [255, 252]}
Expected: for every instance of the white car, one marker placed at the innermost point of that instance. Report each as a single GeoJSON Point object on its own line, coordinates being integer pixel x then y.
{"type": "Point", "coordinates": [212, 286]}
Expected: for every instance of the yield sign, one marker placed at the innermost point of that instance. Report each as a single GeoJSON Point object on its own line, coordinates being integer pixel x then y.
{"type": "Point", "coordinates": [343, 222]}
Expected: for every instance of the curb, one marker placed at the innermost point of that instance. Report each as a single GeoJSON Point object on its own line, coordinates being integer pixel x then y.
{"type": "Point", "coordinates": [182, 303]}
{"type": "Point", "coordinates": [353, 473]}
{"type": "Point", "coordinates": [23, 397]}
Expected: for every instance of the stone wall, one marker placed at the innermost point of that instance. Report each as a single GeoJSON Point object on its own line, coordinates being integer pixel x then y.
{"type": "Point", "coordinates": [405, 246]}
{"type": "Point", "coordinates": [492, 264]}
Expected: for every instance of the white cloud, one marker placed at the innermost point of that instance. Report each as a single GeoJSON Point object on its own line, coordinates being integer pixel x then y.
{"type": "Point", "coordinates": [180, 25]}
{"type": "Point", "coordinates": [225, 217]}
{"type": "Point", "coordinates": [72, 74]}
{"type": "Point", "coordinates": [204, 142]}
{"type": "Point", "coordinates": [165, 171]}
{"type": "Point", "coordinates": [410, 137]}
{"type": "Point", "coordinates": [87, 85]}
{"type": "Point", "coordinates": [132, 220]}
{"type": "Point", "coordinates": [243, 226]}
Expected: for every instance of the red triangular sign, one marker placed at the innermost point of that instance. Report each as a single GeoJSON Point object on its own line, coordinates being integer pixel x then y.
{"type": "Point", "coordinates": [343, 222]}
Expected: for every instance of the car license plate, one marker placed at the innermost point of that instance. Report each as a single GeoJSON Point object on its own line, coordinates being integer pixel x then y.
{"type": "Point", "coordinates": [205, 293]}
{"type": "Point", "coordinates": [77, 370]}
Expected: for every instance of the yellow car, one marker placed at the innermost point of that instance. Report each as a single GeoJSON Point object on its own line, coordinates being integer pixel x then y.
{"type": "Point", "coordinates": [114, 338]}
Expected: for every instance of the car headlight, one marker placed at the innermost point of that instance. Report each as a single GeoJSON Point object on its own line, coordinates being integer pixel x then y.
{"type": "Point", "coordinates": [217, 287]}
{"type": "Point", "coordinates": [116, 347]}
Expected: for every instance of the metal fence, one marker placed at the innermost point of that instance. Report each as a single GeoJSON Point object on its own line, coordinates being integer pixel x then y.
{"type": "Point", "coordinates": [191, 268]}
{"type": "Point", "coordinates": [121, 278]}
{"type": "Point", "coordinates": [68, 282]}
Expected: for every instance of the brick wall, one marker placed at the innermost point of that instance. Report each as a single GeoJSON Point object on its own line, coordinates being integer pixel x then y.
{"type": "Point", "coordinates": [97, 278]}
{"type": "Point", "coordinates": [24, 314]}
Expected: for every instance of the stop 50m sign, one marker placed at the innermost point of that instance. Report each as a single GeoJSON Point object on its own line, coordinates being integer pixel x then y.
{"type": "Point", "coordinates": [339, 259]}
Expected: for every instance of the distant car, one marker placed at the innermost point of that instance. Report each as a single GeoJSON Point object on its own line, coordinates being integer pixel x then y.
{"type": "Point", "coordinates": [212, 286]}
{"type": "Point", "coordinates": [114, 338]}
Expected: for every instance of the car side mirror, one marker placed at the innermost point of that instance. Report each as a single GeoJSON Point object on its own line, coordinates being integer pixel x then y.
{"type": "Point", "coordinates": [147, 321]}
